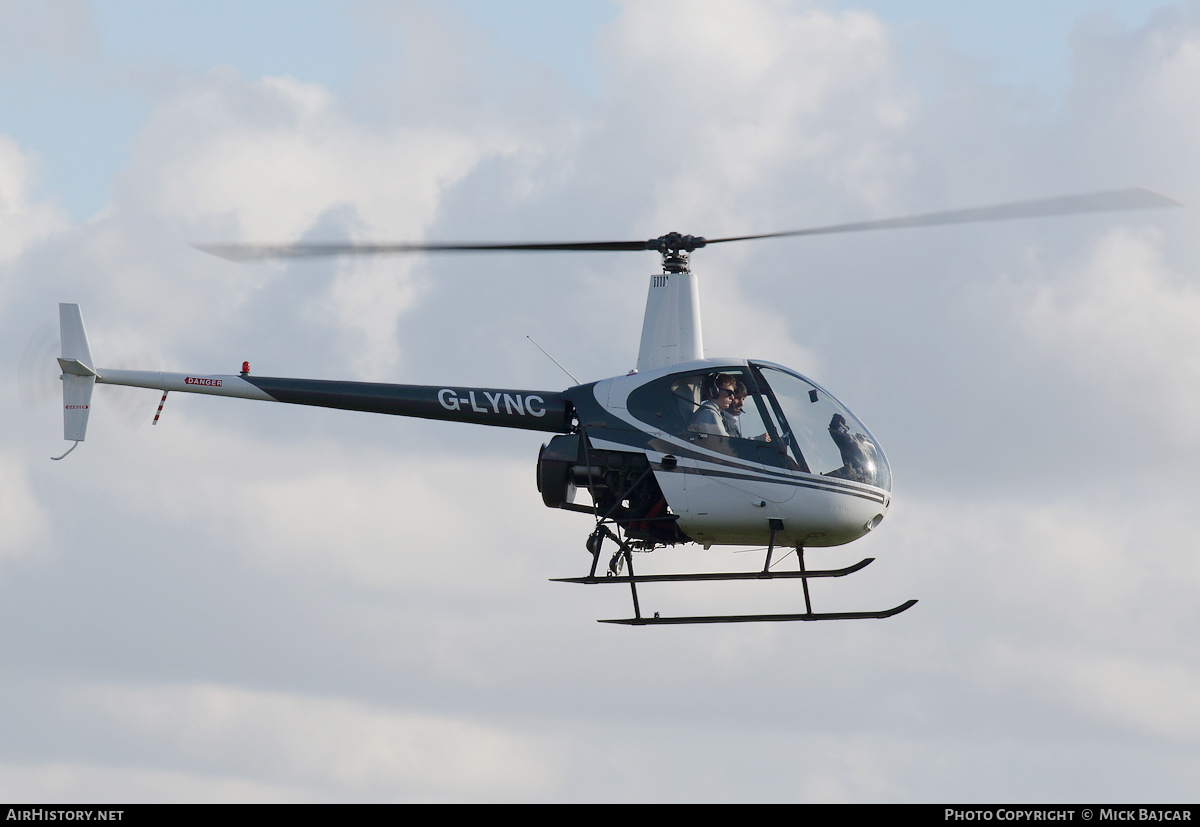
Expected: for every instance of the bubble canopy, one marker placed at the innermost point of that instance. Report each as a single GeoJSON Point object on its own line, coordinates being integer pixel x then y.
{"type": "Point", "coordinates": [766, 413]}
{"type": "Point", "coordinates": [832, 440]}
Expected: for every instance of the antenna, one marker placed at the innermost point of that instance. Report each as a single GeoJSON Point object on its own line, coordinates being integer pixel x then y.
{"type": "Point", "coordinates": [555, 361]}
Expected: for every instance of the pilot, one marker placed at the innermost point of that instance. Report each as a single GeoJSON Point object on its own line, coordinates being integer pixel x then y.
{"type": "Point", "coordinates": [733, 416]}
{"type": "Point", "coordinates": [709, 419]}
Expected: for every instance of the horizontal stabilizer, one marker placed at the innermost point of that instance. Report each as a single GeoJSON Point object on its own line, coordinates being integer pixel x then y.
{"type": "Point", "coordinates": [75, 367]}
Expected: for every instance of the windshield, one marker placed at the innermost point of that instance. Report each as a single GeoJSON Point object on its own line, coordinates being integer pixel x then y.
{"type": "Point", "coordinates": [826, 438]}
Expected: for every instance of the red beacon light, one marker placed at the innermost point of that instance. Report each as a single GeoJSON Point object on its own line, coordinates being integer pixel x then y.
{"type": "Point", "coordinates": [245, 368]}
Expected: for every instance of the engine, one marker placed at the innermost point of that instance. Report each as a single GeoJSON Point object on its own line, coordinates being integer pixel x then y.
{"type": "Point", "coordinates": [621, 484]}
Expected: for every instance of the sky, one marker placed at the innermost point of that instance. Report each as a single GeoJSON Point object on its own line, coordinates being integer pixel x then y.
{"type": "Point", "coordinates": [258, 602]}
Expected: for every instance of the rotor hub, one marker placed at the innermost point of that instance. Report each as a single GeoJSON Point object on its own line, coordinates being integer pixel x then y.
{"type": "Point", "coordinates": [676, 242]}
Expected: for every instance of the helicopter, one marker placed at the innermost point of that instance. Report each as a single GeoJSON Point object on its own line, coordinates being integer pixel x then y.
{"type": "Point", "coordinates": [684, 449]}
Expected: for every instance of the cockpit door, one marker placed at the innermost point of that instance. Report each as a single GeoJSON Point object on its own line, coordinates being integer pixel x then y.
{"type": "Point", "coordinates": [821, 435]}
{"type": "Point", "coordinates": [722, 430]}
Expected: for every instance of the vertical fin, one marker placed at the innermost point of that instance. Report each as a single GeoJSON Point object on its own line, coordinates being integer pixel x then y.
{"type": "Point", "coordinates": [79, 375]}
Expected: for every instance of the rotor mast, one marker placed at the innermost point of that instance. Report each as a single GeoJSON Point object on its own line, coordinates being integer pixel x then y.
{"type": "Point", "coordinates": [671, 330]}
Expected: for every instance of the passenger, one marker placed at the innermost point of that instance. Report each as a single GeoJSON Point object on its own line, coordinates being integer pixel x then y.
{"type": "Point", "coordinates": [709, 419]}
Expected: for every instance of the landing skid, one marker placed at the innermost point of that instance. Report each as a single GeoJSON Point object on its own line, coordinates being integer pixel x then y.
{"type": "Point", "coordinates": [668, 621]}
{"type": "Point", "coordinates": [624, 555]}
{"type": "Point", "coordinates": [727, 575]}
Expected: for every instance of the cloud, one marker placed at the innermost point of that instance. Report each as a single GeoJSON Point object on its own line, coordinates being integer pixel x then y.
{"type": "Point", "coordinates": [65, 783]}
{"type": "Point", "coordinates": [269, 156]}
{"type": "Point", "coordinates": [1122, 324]}
{"type": "Point", "coordinates": [375, 516]}
{"type": "Point", "coordinates": [24, 221]}
{"type": "Point", "coordinates": [25, 520]}
{"type": "Point", "coordinates": [773, 102]}
{"type": "Point", "coordinates": [33, 32]}
{"type": "Point", "coordinates": [272, 159]}
{"type": "Point", "coordinates": [1142, 696]}
{"type": "Point", "coordinates": [332, 749]}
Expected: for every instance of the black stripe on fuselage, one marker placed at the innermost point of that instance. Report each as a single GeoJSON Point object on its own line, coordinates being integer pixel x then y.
{"type": "Point", "coordinates": [529, 410]}
{"type": "Point", "coordinates": [737, 469]}
{"type": "Point", "coordinates": [818, 483]}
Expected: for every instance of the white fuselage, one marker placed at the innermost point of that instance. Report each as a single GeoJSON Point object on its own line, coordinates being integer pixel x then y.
{"type": "Point", "coordinates": [722, 499]}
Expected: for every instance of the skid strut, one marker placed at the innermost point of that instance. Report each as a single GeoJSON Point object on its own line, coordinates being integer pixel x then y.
{"type": "Point", "coordinates": [623, 554]}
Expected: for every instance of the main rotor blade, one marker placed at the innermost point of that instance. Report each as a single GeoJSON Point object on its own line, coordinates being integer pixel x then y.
{"type": "Point", "coordinates": [254, 252]}
{"type": "Point", "coordinates": [1113, 200]}
{"type": "Point", "coordinates": [1130, 199]}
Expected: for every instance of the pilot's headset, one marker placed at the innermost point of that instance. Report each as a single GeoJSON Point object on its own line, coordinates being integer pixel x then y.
{"type": "Point", "coordinates": [710, 389]}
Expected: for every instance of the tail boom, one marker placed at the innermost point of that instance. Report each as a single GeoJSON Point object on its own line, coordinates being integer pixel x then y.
{"type": "Point", "coordinates": [507, 408]}
{"type": "Point", "coordinates": [215, 384]}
